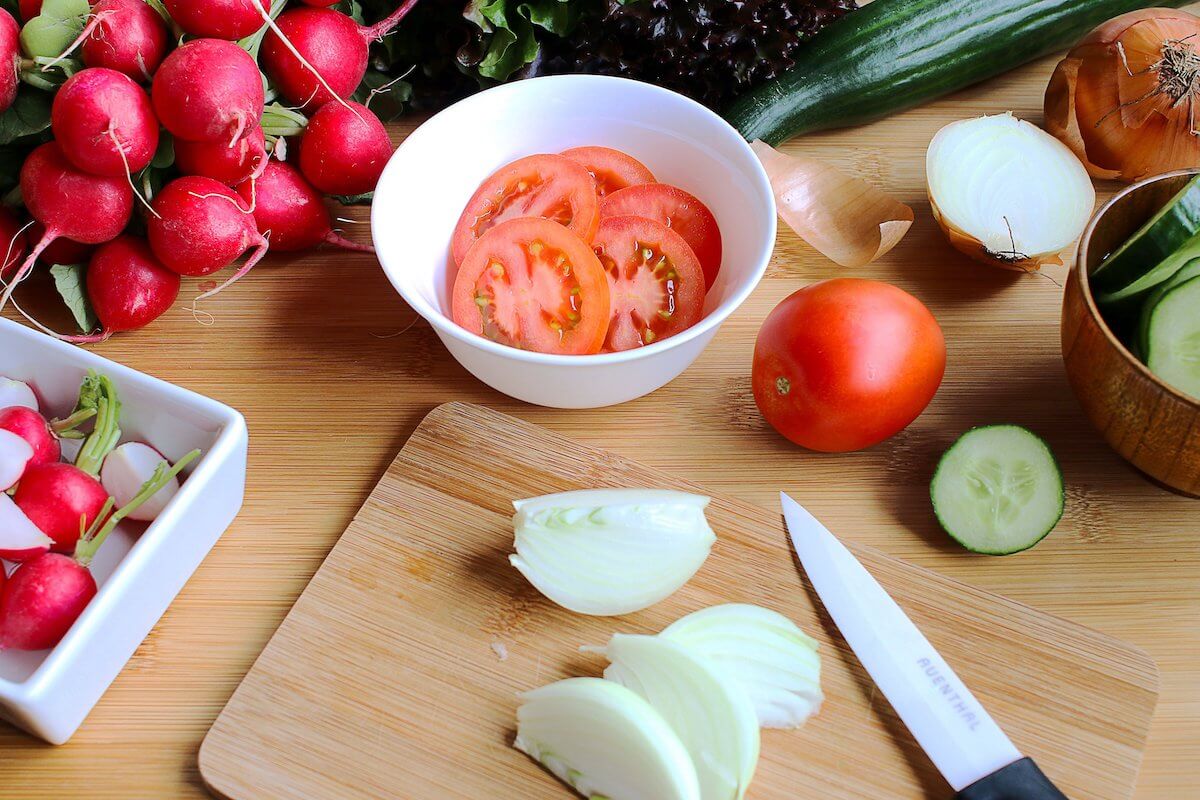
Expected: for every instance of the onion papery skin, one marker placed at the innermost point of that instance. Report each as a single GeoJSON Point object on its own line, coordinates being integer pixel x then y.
{"type": "Point", "coordinates": [712, 715]}
{"type": "Point", "coordinates": [765, 652]}
{"type": "Point", "coordinates": [1106, 99]}
{"type": "Point", "coordinates": [1006, 193]}
{"type": "Point", "coordinates": [607, 552]}
{"type": "Point", "coordinates": [604, 740]}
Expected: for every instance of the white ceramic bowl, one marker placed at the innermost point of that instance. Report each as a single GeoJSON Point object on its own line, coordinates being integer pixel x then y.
{"type": "Point", "coordinates": [438, 167]}
{"type": "Point", "coordinates": [139, 568]}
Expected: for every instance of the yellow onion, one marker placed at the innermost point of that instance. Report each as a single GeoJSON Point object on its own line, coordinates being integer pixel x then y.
{"type": "Point", "coordinates": [1124, 98]}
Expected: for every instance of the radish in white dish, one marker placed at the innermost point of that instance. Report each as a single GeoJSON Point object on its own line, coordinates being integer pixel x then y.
{"type": "Point", "coordinates": [20, 539]}
{"type": "Point", "coordinates": [124, 472]}
{"type": "Point", "coordinates": [15, 455]}
{"type": "Point", "coordinates": [17, 393]}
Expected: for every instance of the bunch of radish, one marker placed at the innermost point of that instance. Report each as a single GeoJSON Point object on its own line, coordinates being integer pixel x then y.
{"type": "Point", "coordinates": [182, 136]}
{"type": "Point", "coordinates": [55, 514]}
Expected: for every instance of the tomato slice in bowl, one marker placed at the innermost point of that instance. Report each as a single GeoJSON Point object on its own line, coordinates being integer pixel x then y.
{"type": "Point", "coordinates": [656, 284]}
{"type": "Point", "coordinates": [533, 284]}
{"type": "Point", "coordinates": [678, 210]}
{"type": "Point", "coordinates": [548, 186]}
{"type": "Point", "coordinates": [611, 169]}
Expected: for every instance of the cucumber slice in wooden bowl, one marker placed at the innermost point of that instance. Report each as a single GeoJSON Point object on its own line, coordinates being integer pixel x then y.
{"type": "Point", "coordinates": [1168, 231]}
{"type": "Point", "coordinates": [1188, 271]}
{"type": "Point", "coordinates": [998, 490]}
{"type": "Point", "coordinates": [1173, 337]}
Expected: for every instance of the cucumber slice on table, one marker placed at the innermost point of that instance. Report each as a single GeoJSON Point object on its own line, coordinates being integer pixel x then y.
{"type": "Point", "coordinates": [998, 490]}
{"type": "Point", "coordinates": [1173, 338]}
{"type": "Point", "coordinates": [1168, 231]}
{"type": "Point", "coordinates": [1188, 271]}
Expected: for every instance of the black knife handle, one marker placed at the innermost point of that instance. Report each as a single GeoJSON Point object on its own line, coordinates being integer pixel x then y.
{"type": "Point", "coordinates": [1020, 780]}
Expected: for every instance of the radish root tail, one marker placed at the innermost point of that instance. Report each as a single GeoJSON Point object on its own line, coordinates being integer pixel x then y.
{"type": "Point", "coordinates": [371, 33]}
{"type": "Point", "coordinates": [255, 257]}
{"type": "Point", "coordinates": [337, 240]}
{"type": "Point", "coordinates": [95, 20]}
{"type": "Point", "coordinates": [112, 134]}
{"type": "Point", "coordinates": [27, 266]}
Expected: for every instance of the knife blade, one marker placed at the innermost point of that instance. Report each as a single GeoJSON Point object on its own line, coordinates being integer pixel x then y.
{"type": "Point", "coordinates": [966, 745]}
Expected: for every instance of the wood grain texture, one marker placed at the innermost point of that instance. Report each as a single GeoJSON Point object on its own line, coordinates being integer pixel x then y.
{"type": "Point", "coordinates": [382, 681]}
{"type": "Point", "coordinates": [333, 374]}
{"type": "Point", "coordinates": [1154, 426]}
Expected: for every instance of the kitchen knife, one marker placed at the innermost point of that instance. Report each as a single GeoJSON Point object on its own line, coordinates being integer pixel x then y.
{"type": "Point", "coordinates": [964, 743]}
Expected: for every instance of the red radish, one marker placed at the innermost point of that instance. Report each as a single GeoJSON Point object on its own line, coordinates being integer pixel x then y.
{"type": "Point", "coordinates": [10, 55]}
{"type": "Point", "coordinates": [334, 45]}
{"type": "Point", "coordinates": [217, 160]}
{"type": "Point", "coordinates": [290, 212]}
{"type": "Point", "coordinates": [126, 471]}
{"type": "Point", "coordinates": [20, 539]}
{"type": "Point", "coordinates": [320, 3]}
{"type": "Point", "coordinates": [220, 19]}
{"type": "Point", "coordinates": [41, 601]}
{"type": "Point", "coordinates": [128, 287]}
{"type": "Point", "coordinates": [16, 393]}
{"type": "Point", "coordinates": [126, 35]}
{"type": "Point", "coordinates": [29, 8]}
{"type": "Point", "coordinates": [202, 226]}
{"type": "Point", "coordinates": [15, 455]}
{"type": "Point", "coordinates": [104, 122]}
{"type": "Point", "coordinates": [45, 595]}
{"type": "Point", "coordinates": [12, 240]}
{"type": "Point", "coordinates": [208, 90]}
{"type": "Point", "coordinates": [344, 150]}
{"type": "Point", "coordinates": [33, 428]}
{"type": "Point", "coordinates": [57, 497]}
{"type": "Point", "coordinates": [60, 251]}
{"type": "Point", "coordinates": [69, 202]}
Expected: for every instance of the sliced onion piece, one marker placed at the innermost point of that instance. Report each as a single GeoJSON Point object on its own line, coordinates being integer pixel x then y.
{"type": "Point", "coordinates": [16, 393]}
{"type": "Point", "coordinates": [775, 662]}
{"type": "Point", "coordinates": [710, 712]}
{"type": "Point", "coordinates": [1006, 192]}
{"type": "Point", "coordinates": [126, 469]}
{"type": "Point", "coordinates": [15, 454]}
{"type": "Point", "coordinates": [604, 741]}
{"type": "Point", "coordinates": [20, 539]}
{"type": "Point", "coordinates": [611, 551]}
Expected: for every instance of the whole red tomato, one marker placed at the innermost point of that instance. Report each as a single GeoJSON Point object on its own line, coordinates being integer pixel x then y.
{"type": "Point", "coordinates": [846, 363]}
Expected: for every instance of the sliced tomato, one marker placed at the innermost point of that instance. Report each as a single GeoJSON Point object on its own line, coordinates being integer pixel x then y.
{"type": "Point", "coordinates": [611, 169]}
{"type": "Point", "coordinates": [655, 282]}
{"type": "Point", "coordinates": [548, 186]}
{"type": "Point", "coordinates": [533, 284]}
{"type": "Point", "coordinates": [679, 211]}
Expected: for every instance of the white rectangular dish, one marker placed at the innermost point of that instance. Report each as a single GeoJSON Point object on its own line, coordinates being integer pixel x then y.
{"type": "Point", "coordinates": [140, 568]}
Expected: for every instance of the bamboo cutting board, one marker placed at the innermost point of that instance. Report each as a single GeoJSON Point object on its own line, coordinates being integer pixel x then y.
{"type": "Point", "coordinates": [397, 672]}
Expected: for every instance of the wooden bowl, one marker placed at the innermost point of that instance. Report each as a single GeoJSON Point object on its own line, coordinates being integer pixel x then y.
{"type": "Point", "coordinates": [1152, 425]}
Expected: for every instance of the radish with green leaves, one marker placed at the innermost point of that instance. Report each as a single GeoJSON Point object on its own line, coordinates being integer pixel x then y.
{"type": "Point", "coordinates": [208, 90]}
{"type": "Point", "coordinates": [128, 287]}
{"type": "Point", "coordinates": [344, 149]}
{"type": "Point", "coordinates": [291, 212]}
{"type": "Point", "coordinates": [126, 35]}
{"type": "Point", "coordinates": [104, 123]}
{"type": "Point", "coordinates": [57, 498]}
{"type": "Point", "coordinates": [218, 19]}
{"type": "Point", "coordinates": [334, 46]}
{"type": "Point", "coordinates": [70, 203]}
{"type": "Point", "coordinates": [200, 226]}
{"type": "Point", "coordinates": [230, 165]}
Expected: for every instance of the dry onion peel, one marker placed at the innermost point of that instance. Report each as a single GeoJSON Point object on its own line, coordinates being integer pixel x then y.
{"type": "Point", "coordinates": [847, 219]}
{"type": "Point", "coordinates": [1007, 193]}
{"type": "Point", "coordinates": [1124, 98]}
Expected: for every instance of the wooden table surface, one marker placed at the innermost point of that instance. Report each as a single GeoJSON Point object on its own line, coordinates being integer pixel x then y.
{"type": "Point", "coordinates": [333, 374]}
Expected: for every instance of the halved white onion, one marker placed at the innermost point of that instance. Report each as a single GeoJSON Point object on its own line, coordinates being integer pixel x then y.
{"type": "Point", "coordinates": [773, 660]}
{"type": "Point", "coordinates": [711, 713]}
{"type": "Point", "coordinates": [1006, 192]}
{"type": "Point", "coordinates": [126, 469]}
{"type": "Point", "coordinates": [16, 393]}
{"type": "Point", "coordinates": [611, 551]}
{"type": "Point", "coordinates": [604, 741]}
{"type": "Point", "coordinates": [15, 454]}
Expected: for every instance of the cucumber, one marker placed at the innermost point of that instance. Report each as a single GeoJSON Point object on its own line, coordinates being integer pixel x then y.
{"type": "Point", "coordinates": [1173, 338]}
{"type": "Point", "coordinates": [1172, 227]}
{"type": "Point", "coordinates": [896, 54]}
{"type": "Point", "coordinates": [998, 490]}
{"type": "Point", "coordinates": [1188, 271]}
{"type": "Point", "coordinates": [1125, 301]}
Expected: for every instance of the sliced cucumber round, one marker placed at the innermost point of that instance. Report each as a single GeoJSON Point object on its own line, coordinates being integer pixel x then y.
{"type": "Point", "coordinates": [1163, 234]}
{"type": "Point", "coordinates": [1173, 337]}
{"type": "Point", "coordinates": [1188, 271]}
{"type": "Point", "coordinates": [998, 490]}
